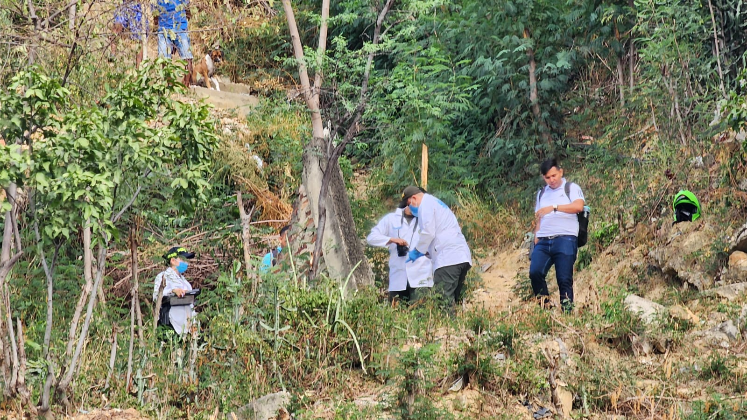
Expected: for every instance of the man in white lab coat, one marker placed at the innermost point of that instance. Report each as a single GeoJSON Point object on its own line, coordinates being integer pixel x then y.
{"type": "Point", "coordinates": [397, 231]}
{"type": "Point", "coordinates": [441, 237]}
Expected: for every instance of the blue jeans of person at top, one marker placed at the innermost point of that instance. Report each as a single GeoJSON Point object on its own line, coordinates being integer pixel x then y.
{"type": "Point", "coordinates": [168, 38]}
{"type": "Point", "coordinates": [560, 251]}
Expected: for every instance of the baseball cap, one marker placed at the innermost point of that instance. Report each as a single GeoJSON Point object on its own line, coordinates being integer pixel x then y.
{"type": "Point", "coordinates": [178, 251]}
{"type": "Point", "coordinates": [407, 193]}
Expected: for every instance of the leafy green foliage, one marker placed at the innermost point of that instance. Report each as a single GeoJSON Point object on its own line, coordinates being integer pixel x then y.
{"type": "Point", "coordinates": [87, 163]}
{"type": "Point", "coordinates": [734, 108]}
{"type": "Point", "coordinates": [717, 407]}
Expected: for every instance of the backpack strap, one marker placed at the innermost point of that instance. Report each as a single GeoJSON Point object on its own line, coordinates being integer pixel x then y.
{"type": "Point", "coordinates": [539, 196]}
{"type": "Point", "coordinates": [567, 189]}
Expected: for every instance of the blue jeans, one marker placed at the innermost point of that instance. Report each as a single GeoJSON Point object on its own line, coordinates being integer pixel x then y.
{"type": "Point", "coordinates": [561, 251]}
{"type": "Point", "coordinates": [168, 38]}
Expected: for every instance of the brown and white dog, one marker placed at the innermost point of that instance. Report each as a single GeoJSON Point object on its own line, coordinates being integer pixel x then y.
{"type": "Point", "coordinates": [206, 68]}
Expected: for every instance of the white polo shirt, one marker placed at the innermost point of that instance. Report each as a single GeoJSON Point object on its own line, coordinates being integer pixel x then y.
{"type": "Point", "coordinates": [557, 222]}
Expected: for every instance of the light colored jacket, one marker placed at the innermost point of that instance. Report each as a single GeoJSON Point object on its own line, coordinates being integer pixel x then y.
{"type": "Point", "coordinates": [178, 315]}
{"type": "Point", "coordinates": [395, 225]}
{"type": "Point", "coordinates": [440, 234]}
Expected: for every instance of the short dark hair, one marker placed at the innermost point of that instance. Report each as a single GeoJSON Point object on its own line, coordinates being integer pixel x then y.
{"type": "Point", "coordinates": [284, 229]}
{"type": "Point", "coordinates": [547, 165]}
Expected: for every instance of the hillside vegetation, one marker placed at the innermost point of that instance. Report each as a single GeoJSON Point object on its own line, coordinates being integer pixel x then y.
{"type": "Point", "coordinates": [104, 166]}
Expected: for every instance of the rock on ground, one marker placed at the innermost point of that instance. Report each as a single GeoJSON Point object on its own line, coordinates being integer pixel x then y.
{"type": "Point", "coordinates": [646, 310]}
{"type": "Point", "coordinates": [729, 292]}
{"type": "Point", "coordinates": [738, 261]}
{"type": "Point", "coordinates": [264, 408]}
{"type": "Point", "coordinates": [678, 256]}
{"type": "Point", "coordinates": [721, 335]}
{"type": "Point", "coordinates": [683, 313]}
{"type": "Point", "coordinates": [737, 271]}
{"type": "Point", "coordinates": [739, 239]}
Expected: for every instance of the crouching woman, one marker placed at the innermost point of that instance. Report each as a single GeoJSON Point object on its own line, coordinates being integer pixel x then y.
{"type": "Point", "coordinates": [173, 282]}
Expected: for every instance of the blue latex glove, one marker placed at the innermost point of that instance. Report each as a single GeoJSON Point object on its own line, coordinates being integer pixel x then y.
{"type": "Point", "coordinates": [413, 255]}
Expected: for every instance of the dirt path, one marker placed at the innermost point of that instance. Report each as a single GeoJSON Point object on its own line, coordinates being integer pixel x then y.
{"type": "Point", "coordinates": [499, 279]}
{"type": "Point", "coordinates": [109, 414]}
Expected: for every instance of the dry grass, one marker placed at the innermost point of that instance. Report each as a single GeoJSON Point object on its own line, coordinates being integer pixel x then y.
{"type": "Point", "coordinates": [487, 228]}
{"type": "Point", "coordinates": [242, 168]}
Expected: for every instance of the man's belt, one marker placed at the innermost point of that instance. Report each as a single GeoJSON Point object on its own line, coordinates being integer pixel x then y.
{"type": "Point", "coordinates": [541, 238]}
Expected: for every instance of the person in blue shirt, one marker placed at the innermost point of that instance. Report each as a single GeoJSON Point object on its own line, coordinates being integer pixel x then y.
{"type": "Point", "coordinates": [271, 258]}
{"type": "Point", "coordinates": [170, 16]}
{"type": "Point", "coordinates": [128, 20]}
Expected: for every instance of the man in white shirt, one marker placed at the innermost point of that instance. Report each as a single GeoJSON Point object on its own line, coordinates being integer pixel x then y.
{"type": "Point", "coordinates": [174, 282]}
{"type": "Point", "coordinates": [441, 237]}
{"type": "Point", "coordinates": [556, 234]}
{"type": "Point", "coordinates": [398, 231]}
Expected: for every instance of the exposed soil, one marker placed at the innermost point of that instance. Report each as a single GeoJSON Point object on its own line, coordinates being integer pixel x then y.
{"type": "Point", "coordinates": [113, 414]}
{"type": "Point", "coordinates": [499, 280]}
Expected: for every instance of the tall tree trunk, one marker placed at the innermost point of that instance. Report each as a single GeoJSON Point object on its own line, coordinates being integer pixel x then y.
{"type": "Point", "coordinates": [12, 387]}
{"type": "Point", "coordinates": [246, 237]}
{"type": "Point", "coordinates": [631, 47]}
{"type": "Point", "coordinates": [147, 16]}
{"type": "Point", "coordinates": [86, 290]}
{"type": "Point", "coordinates": [718, 52]}
{"type": "Point", "coordinates": [669, 82]}
{"type": "Point", "coordinates": [112, 358]}
{"type": "Point", "coordinates": [619, 68]}
{"type": "Point", "coordinates": [621, 81]}
{"type": "Point", "coordinates": [339, 242]}
{"type": "Point", "coordinates": [8, 228]}
{"type": "Point", "coordinates": [71, 17]}
{"type": "Point", "coordinates": [128, 378]}
{"type": "Point", "coordinates": [135, 291]}
{"type": "Point", "coordinates": [533, 91]}
{"type": "Point", "coordinates": [49, 274]}
{"type": "Point", "coordinates": [10, 362]}
{"type": "Point", "coordinates": [631, 66]}
{"type": "Point", "coordinates": [64, 384]}
{"type": "Point", "coordinates": [23, 391]}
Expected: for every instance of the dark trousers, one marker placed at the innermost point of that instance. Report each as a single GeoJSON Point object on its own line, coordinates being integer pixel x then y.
{"type": "Point", "coordinates": [449, 281]}
{"type": "Point", "coordinates": [401, 295]}
{"type": "Point", "coordinates": [561, 251]}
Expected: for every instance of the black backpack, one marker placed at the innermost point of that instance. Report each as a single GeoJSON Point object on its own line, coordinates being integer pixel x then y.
{"type": "Point", "coordinates": [583, 216]}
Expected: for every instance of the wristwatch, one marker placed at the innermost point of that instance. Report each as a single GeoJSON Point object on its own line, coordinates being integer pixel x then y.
{"type": "Point", "coordinates": [555, 207]}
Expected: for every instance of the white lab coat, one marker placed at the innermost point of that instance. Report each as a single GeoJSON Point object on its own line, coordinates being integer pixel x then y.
{"type": "Point", "coordinates": [440, 234]}
{"type": "Point", "coordinates": [394, 225]}
{"type": "Point", "coordinates": [179, 316]}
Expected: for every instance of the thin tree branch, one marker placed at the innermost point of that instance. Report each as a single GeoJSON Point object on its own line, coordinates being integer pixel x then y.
{"type": "Point", "coordinates": [8, 265]}
{"type": "Point", "coordinates": [16, 233]}
{"type": "Point", "coordinates": [45, 23]}
{"type": "Point", "coordinates": [127, 206]}
{"type": "Point", "coordinates": [32, 15]}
